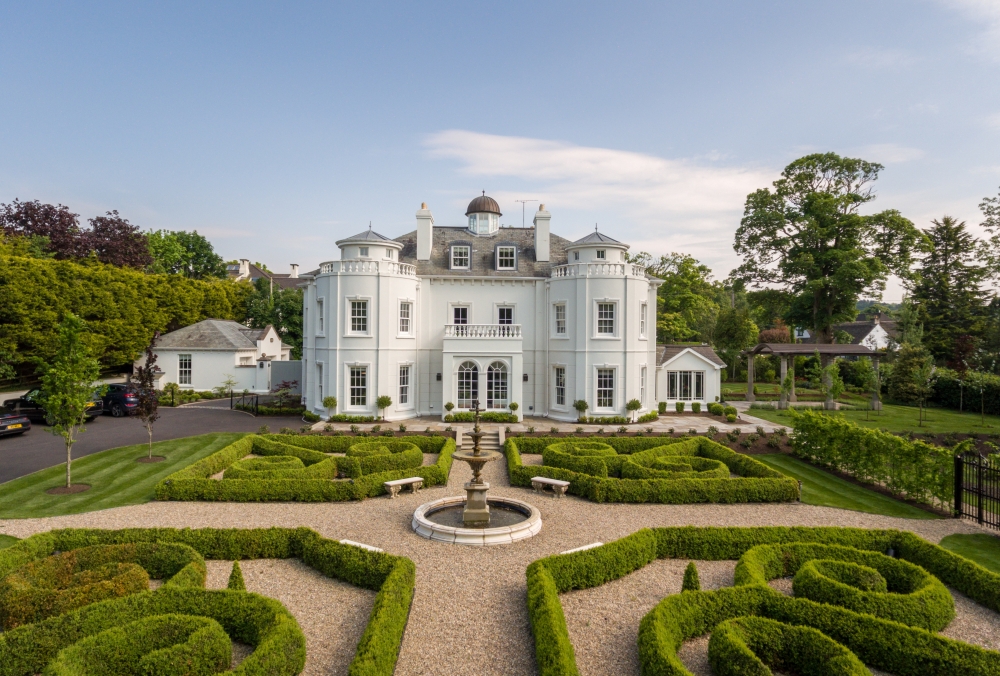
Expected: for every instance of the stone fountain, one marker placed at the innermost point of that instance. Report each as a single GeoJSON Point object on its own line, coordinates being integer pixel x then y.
{"type": "Point", "coordinates": [468, 519]}
{"type": "Point", "coordinates": [477, 511]}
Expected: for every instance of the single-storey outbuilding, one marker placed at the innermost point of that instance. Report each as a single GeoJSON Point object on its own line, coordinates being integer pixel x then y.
{"type": "Point", "coordinates": [688, 373]}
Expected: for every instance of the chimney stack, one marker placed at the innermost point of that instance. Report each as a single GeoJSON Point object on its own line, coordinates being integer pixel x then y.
{"type": "Point", "coordinates": [295, 271]}
{"type": "Point", "coordinates": [541, 222]}
{"type": "Point", "coordinates": [244, 268]}
{"type": "Point", "coordinates": [425, 233]}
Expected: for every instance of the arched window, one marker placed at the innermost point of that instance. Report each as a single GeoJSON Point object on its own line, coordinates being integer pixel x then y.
{"type": "Point", "coordinates": [468, 384]}
{"type": "Point", "coordinates": [496, 385]}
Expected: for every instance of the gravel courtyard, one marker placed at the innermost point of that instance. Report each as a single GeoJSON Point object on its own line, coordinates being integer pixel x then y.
{"type": "Point", "coordinates": [469, 614]}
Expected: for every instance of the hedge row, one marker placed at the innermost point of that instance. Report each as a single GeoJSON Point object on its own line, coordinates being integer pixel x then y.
{"type": "Point", "coordinates": [884, 644]}
{"type": "Point", "coordinates": [954, 392]}
{"type": "Point", "coordinates": [914, 469]}
{"type": "Point", "coordinates": [488, 416]}
{"type": "Point", "coordinates": [248, 618]}
{"type": "Point", "coordinates": [316, 483]}
{"type": "Point", "coordinates": [757, 482]}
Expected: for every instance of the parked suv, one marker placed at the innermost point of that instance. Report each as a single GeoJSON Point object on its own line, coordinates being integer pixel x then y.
{"type": "Point", "coordinates": [30, 406]}
{"type": "Point", "coordinates": [120, 400]}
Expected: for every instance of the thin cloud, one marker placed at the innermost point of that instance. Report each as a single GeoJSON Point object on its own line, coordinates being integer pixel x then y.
{"type": "Point", "coordinates": [986, 14]}
{"type": "Point", "coordinates": [888, 153]}
{"type": "Point", "coordinates": [993, 121]}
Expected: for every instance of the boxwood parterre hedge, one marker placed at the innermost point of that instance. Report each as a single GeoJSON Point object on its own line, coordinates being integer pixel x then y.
{"type": "Point", "coordinates": [322, 477]}
{"type": "Point", "coordinates": [182, 628]}
{"type": "Point", "coordinates": [853, 602]}
{"type": "Point", "coordinates": [650, 469]}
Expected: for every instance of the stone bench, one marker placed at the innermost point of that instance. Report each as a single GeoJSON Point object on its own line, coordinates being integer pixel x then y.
{"type": "Point", "coordinates": [414, 482]}
{"type": "Point", "coordinates": [558, 487]}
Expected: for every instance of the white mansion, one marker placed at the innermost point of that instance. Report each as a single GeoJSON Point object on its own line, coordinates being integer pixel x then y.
{"type": "Point", "coordinates": [498, 314]}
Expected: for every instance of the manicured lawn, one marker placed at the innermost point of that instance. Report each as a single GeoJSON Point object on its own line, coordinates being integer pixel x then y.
{"type": "Point", "coordinates": [115, 478]}
{"type": "Point", "coordinates": [904, 419]}
{"type": "Point", "coordinates": [821, 488]}
{"type": "Point", "coordinates": [982, 548]}
{"type": "Point", "coordinates": [7, 541]}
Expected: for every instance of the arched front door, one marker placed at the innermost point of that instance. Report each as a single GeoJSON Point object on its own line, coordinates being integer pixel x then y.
{"type": "Point", "coordinates": [496, 385]}
{"type": "Point", "coordinates": [468, 384]}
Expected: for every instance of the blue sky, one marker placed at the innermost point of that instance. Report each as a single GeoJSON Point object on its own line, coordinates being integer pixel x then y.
{"type": "Point", "coordinates": [277, 128]}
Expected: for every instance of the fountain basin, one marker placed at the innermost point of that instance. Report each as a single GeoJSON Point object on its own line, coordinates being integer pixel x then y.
{"type": "Point", "coordinates": [449, 510]}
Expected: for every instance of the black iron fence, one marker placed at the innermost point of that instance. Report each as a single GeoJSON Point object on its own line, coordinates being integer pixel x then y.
{"type": "Point", "coordinates": [244, 402]}
{"type": "Point", "coordinates": [977, 489]}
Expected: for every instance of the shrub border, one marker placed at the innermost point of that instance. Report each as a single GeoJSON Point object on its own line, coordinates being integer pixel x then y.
{"type": "Point", "coordinates": [391, 577]}
{"type": "Point", "coordinates": [681, 616]}
{"type": "Point", "coordinates": [193, 482]}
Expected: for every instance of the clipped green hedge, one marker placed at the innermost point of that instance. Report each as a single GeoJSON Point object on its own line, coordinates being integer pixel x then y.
{"type": "Point", "coordinates": [910, 468]}
{"type": "Point", "coordinates": [279, 645]}
{"type": "Point", "coordinates": [757, 482]}
{"type": "Point", "coordinates": [765, 553]}
{"type": "Point", "coordinates": [316, 482]}
{"type": "Point", "coordinates": [488, 416]}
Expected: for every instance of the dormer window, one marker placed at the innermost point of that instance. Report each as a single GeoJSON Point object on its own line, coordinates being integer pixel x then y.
{"type": "Point", "coordinates": [601, 254]}
{"type": "Point", "coordinates": [506, 258]}
{"type": "Point", "coordinates": [460, 255]}
{"type": "Point", "coordinates": [363, 251]}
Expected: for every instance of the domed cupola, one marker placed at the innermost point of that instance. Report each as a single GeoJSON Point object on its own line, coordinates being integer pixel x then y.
{"type": "Point", "coordinates": [484, 215]}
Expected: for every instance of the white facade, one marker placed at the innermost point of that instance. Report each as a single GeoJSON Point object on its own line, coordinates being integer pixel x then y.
{"type": "Point", "coordinates": [202, 356]}
{"type": "Point", "coordinates": [496, 314]}
{"type": "Point", "coordinates": [689, 377]}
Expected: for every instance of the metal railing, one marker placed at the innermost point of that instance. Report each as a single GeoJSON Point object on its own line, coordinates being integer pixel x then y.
{"type": "Point", "coordinates": [482, 330]}
{"type": "Point", "coordinates": [977, 489]}
{"type": "Point", "coordinates": [368, 267]}
{"type": "Point", "coordinates": [599, 270]}
{"type": "Point", "coordinates": [244, 402]}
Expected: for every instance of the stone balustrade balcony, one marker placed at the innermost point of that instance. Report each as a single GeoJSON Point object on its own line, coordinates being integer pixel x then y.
{"type": "Point", "coordinates": [362, 266]}
{"type": "Point", "coordinates": [599, 270]}
{"type": "Point", "coordinates": [482, 331]}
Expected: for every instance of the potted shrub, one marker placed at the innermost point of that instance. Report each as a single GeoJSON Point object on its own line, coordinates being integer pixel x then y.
{"type": "Point", "coordinates": [581, 406]}
{"type": "Point", "coordinates": [513, 407]}
{"type": "Point", "coordinates": [632, 406]}
{"type": "Point", "coordinates": [383, 402]}
{"type": "Point", "coordinates": [330, 404]}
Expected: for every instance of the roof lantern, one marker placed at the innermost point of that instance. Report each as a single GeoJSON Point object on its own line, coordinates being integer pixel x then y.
{"type": "Point", "coordinates": [484, 215]}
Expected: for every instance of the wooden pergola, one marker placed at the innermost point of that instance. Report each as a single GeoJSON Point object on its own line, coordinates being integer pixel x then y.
{"type": "Point", "coordinates": [786, 351]}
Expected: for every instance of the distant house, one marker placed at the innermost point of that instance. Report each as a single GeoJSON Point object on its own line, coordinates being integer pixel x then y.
{"type": "Point", "coordinates": [203, 355]}
{"type": "Point", "coordinates": [877, 333]}
{"type": "Point", "coordinates": [250, 272]}
{"type": "Point", "coordinates": [688, 373]}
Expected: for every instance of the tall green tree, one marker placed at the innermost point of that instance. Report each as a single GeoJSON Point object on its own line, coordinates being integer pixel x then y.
{"type": "Point", "coordinates": [807, 237]}
{"type": "Point", "coordinates": [69, 383]}
{"type": "Point", "coordinates": [686, 301]}
{"type": "Point", "coordinates": [277, 307]}
{"type": "Point", "coordinates": [735, 331]}
{"type": "Point", "coordinates": [946, 287]}
{"type": "Point", "coordinates": [990, 249]}
{"type": "Point", "coordinates": [184, 253]}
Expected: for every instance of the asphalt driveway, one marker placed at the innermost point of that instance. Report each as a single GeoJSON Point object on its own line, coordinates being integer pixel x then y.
{"type": "Point", "coordinates": [38, 448]}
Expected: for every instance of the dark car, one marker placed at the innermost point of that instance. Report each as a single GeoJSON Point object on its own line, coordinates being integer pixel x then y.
{"type": "Point", "coordinates": [30, 406]}
{"type": "Point", "coordinates": [13, 423]}
{"type": "Point", "coordinates": [120, 400]}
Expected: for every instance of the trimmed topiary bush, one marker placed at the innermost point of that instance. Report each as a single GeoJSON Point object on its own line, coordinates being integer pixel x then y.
{"type": "Point", "coordinates": [691, 581]}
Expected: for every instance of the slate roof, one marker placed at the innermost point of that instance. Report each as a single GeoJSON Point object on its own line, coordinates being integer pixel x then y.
{"type": "Point", "coordinates": [286, 281]}
{"type": "Point", "coordinates": [665, 353]}
{"type": "Point", "coordinates": [598, 238]}
{"type": "Point", "coordinates": [860, 330]}
{"type": "Point", "coordinates": [482, 264]}
{"type": "Point", "coordinates": [212, 334]}
{"type": "Point", "coordinates": [368, 235]}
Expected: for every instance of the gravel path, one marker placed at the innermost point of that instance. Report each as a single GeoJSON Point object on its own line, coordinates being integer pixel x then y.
{"type": "Point", "coordinates": [469, 613]}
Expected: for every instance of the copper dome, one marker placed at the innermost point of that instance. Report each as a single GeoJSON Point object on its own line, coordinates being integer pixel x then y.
{"type": "Point", "coordinates": [483, 204]}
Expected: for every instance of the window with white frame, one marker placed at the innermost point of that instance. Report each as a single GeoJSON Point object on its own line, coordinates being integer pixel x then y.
{"type": "Point", "coordinates": [605, 388]}
{"type": "Point", "coordinates": [359, 316]}
{"type": "Point", "coordinates": [642, 320]}
{"type": "Point", "coordinates": [359, 386]}
{"type": "Point", "coordinates": [560, 319]}
{"type": "Point", "coordinates": [686, 385]}
{"type": "Point", "coordinates": [404, 384]}
{"type": "Point", "coordinates": [388, 253]}
{"type": "Point", "coordinates": [506, 258]}
{"type": "Point", "coordinates": [184, 369]}
{"type": "Point", "coordinates": [560, 386]}
{"type": "Point", "coordinates": [496, 385]}
{"type": "Point", "coordinates": [246, 360]}
{"type": "Point", "coordinates": [405, 310]}
{"type": "Point", "coordinates": [576, 255]}
{"type": "Point", "coordinates": [319, 316]}
{"type": "Point", "coordinates": [468, 384]}
{"type": "Point", "coordinates": [460, 314]}
{"type": "Point", "coordinates": [505, 315]}
{"type": "Point", "coordinates": [363, 251]}
{"type": "Point", "coordinates": [460, 257]}
{"type": "Point", "coordinates": [605, 319]}
{"type": "Point", "coordinates": [601, 254]}
{"type": "Point", "coordinates": [319, 381]}
{"type": "Point", "coordinates": [642, 386]}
